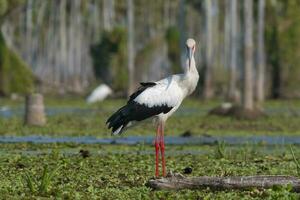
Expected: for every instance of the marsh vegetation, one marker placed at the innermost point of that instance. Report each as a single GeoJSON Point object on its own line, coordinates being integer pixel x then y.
{"type": "Point", "coordinates": [75, 171]}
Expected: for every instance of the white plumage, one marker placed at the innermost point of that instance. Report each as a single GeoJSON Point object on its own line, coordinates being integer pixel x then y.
{"type": "Point", "coordinates": [165, 92]}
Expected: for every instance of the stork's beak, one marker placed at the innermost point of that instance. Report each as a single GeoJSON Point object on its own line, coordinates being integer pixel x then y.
{"type": "Point", "coordinates": [190, 54]}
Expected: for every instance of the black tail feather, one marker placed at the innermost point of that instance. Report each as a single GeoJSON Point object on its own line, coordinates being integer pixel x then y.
{"type": "Point", "coordinates": [118, 119]}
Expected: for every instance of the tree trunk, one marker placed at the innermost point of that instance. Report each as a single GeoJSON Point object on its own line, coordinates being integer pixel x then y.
{"type": "Point", "coordinates": [178, 182]}
{"type": "Point", "coordinates": [28, 30]}
{"type": "Point", "coordinates": [182, 29]}
{"type": "Point", "coordinates": [227, 34]}
{"type": "Point", "coordinates": [207, 87]}
{"type": "Point", "coordinates": [232, 93]}
{"type": "Point", "coordinates": [260, 94]}
{"type": "Point", "coordinates": [248, 59]}
{"type": "Point", "coordinates": [166, 14]}
{"type": "Point", "coordinates": [130, 46]}
{"type": "Point", "coordinates": [108, 14]}
{"type": "Point", "coordinates": [63, 41]}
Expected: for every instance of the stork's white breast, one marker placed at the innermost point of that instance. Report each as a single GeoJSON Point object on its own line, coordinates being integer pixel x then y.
{"type": "Point", "coordinates": [165, 92]}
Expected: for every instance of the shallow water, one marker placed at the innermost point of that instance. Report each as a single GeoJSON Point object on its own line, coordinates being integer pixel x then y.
{"type": "Point", "coordinates": [172, 140]}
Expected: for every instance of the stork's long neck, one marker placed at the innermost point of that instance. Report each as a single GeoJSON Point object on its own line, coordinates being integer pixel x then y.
{"type": "Point", "coordinates": [192, 69]}
{"type": "Point", "coordinates": [191, 75]}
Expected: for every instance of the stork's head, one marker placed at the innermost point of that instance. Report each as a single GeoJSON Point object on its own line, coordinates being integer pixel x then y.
{"type": "Point", "coordinates": [191, 47]}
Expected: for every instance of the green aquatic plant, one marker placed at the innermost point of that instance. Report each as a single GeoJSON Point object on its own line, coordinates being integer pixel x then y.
{"type": "Point", "coordinates": [220, 151]}
{"type": "Point", "coordinates": [122, 174]}
{"type": "Point", "coordinates": [40, 186]}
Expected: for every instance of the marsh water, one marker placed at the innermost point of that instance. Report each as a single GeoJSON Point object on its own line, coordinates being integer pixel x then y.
{"type": "Point", "coordinates": [171, 140]}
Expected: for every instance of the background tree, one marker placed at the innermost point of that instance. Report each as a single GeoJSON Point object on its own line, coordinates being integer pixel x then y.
{"type": "Point", "coordinates": [232, 92]}
{"type": "Point", "coordinates": [207, 85]}
{"type": "Point", "coordinates": [55, 37]}
{"type": "Point", "coordinates": [182, 32]}
{"type": "Point", "coordinates": [248, 103]}
{"type": "Point", "coordinates": [130, 46]}
{"type": "Point", "coordinates": [108, 14]}
{"type": "Point", "coordinates": [260, 75]}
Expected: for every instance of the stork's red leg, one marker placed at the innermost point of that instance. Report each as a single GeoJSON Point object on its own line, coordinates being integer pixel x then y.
{"type": "Point", "coordinates": [162, 149]}
{"type": "Point", "coordinates": [157, 150]}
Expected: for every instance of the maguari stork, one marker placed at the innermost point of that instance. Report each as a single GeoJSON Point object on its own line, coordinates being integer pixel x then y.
{"type": "Point", "coordinates": [158, 100]}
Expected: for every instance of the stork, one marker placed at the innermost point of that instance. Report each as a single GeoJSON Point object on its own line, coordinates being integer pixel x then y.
{"type": "Point", "coordinates": [158, 100]}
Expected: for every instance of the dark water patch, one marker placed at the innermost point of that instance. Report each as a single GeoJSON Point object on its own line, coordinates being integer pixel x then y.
{"type": "Point", "coordinates": [173, 140]}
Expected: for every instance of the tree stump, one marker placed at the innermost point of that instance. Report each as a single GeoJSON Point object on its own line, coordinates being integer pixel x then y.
{"type": "Point", "coordinates": [34, 110]}
{"type": "Point", "coordinates": [178, 182]}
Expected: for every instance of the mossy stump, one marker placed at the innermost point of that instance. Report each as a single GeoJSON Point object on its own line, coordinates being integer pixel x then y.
{"type": "Point", "coordinates": [34, 110]}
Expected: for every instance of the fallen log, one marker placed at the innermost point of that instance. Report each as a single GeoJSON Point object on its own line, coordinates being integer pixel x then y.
{"type": "Point", "coordinates": [178, 182]}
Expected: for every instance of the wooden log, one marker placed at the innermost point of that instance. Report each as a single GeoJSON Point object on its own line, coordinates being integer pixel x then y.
{"type": "Point", "coordinates": [34, 110]}
{"type": "Point", "coordinates": [178, 182]}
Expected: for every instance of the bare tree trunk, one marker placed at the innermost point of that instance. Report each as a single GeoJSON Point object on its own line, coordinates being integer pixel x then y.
{"type": "Point", "coordinates": [248, 62]}
{"type": "Point", "coordinates": [260, 94]}
{"type": "Point", "coordinates": [63, 41]}
{"type": "Point", "coordinates": [207, 87]}
{"type": "Point", "coordinates": [108, 14]}
{"type": "Point", "coordinates": [182, 29]}
{"type": "Point", "coordinates": [227, 34]}
{"type": "Point", "coordinates": [28, 30]}
{"type": "Point", "coordinates": [166, 14]}
{"type": "Point", "coordinates": [232, 93]}
{"type": "Point", "coordinates": [130, 46]}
